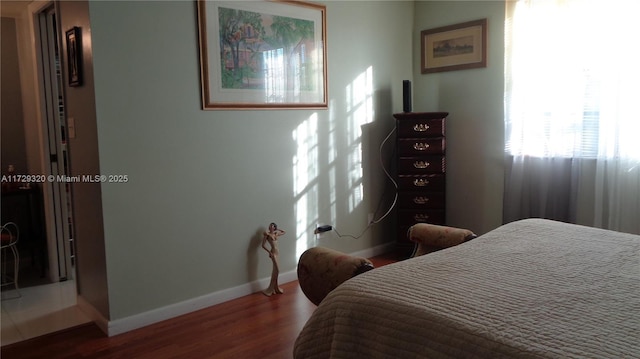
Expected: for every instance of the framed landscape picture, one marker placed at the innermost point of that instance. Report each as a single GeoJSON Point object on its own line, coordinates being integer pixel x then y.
{"type": "Point", "coordinates": [262, 54]}
{"type": "Point", "coordinates": [454, 47]}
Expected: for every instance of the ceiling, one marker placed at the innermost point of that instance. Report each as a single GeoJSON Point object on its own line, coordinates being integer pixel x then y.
{"type": "Point", "coordinates": [13, 8]}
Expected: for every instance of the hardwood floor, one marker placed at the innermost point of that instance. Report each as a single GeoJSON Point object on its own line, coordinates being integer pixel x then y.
{"type": "Point", "coordinates": [254, 326]}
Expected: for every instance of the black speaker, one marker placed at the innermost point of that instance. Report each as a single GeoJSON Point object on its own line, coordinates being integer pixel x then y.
{"type": "Point", "coordinates": [406, 96]}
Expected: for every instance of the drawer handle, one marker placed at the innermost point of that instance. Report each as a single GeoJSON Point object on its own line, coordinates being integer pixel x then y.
{"type": "Point", "coordinates": [420, 182]}
{"type": "Point", "coordinates": [421, 164]}
{"type": "Point", "coordinates": [421, 217]}
{"type": "Point", "coordinates": [420, 200]}
{"type": "Point", "coordinates": [420, 127]}
{"type": "Point", "coordinates": [418, 146]}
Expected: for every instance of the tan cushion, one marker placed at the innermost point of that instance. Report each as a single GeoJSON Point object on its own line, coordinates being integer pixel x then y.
{"type": "Point", "coordinates": [321, 270]}
{"type": "Point", "coordinates": [431, 237]}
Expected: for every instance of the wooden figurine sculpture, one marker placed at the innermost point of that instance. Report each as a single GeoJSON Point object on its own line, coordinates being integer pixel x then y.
{"type": "Point", "coordinates": [271, 237]}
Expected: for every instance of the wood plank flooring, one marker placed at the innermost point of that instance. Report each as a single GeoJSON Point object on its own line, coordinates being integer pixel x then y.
{"type": "Point", "coordinates": [254, 326]}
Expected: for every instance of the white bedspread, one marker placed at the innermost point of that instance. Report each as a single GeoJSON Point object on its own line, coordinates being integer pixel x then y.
{"type": "Point", "coordinates": [529, 289]}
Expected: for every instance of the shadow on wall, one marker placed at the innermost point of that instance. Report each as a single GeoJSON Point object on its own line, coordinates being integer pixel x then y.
{"type": "Point", "coordinates": [253, 251]}
{"type": "Point", "coordinates": [378, 157]}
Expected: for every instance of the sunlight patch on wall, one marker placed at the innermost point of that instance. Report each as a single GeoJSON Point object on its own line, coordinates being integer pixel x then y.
{"type": "Point", "coordinates": [333, 197]}
{"type": "Point", "coordinates": [305, 181]}
{"type": "Point", "coordinates": [332, 158]}
{"type": "Point", "coordinates": [336, 147]}
{"type": "Point", "coordinates": [359, 112]}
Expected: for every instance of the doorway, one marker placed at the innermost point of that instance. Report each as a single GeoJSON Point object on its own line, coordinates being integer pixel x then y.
{"type": "Point", "coordinates": [48, 303]}
{"type": "Point", "coordinates": [42, 207]}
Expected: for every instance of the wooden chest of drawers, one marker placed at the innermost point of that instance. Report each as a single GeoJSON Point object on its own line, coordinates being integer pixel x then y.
{"type": "Point", "coordinates": [421, 171]}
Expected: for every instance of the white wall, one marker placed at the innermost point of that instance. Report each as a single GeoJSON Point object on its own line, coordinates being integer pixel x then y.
{"type": "Point", "coordinates": [474, 100]}
{"type": "Point", "coordinates": [91, 264]}
{"type": "Point", "coordinates": [14, 150]}
{"type": "Point", "coordinates": [22, 13]}
{"type": "Point", "coordinates": [203, 185]}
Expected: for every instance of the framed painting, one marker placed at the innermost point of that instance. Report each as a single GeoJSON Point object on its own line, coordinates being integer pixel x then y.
{"type": "Point", "coordinates": [454, 47]}
{"type": "Point", "coordinates": [74, 56]}
{"type": "Point", "coordinates": [262, 54]}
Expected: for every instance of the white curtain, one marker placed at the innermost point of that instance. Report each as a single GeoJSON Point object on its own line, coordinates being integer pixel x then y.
{"type": "Point", "coordinates": [572, 120]}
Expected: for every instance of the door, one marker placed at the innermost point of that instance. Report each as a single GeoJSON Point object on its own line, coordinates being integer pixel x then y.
{"type": "Point", "coordinates": [57, 195]}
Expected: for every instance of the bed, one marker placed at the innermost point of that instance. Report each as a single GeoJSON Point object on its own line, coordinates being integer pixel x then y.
{"type": "Point", "coordinates": [529, 289]}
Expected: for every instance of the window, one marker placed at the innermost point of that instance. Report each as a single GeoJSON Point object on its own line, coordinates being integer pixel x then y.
{"type": "Point", "coordinates": [572, 79]}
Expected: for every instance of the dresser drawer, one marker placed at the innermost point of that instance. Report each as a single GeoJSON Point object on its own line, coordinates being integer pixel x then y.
{"type": "Point", "coordinates": [432, 183]}
{"type": "Point", "coordinates": [421, 146]}
{"type": "Point", "coordinates": [421, 165]}
{"type": "Point", "coordinates": [420, 200]}
{"type": "Point", "coordinates": [417, 127]}
{"type": "Point", "coordinates": [408, 217]}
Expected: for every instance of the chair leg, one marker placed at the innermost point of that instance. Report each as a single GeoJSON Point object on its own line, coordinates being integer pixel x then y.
{"type": "Point", "coordinates": [16, 268]}
{"type": "Point", "coordinates": [16, 265]}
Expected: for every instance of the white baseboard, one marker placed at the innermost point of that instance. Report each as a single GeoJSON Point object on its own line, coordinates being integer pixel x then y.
{"type": "Point", "coordinates": [123, 325]}
{"type": "Point", "coordinates": [375, 251]}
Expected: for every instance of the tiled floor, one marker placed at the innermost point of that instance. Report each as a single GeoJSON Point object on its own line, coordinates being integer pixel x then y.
{"type": "Point", "coordinates": [39, 310]}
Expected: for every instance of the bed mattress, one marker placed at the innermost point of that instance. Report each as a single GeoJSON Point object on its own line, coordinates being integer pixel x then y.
{"type": "Point", "coordinates": [529, 289]}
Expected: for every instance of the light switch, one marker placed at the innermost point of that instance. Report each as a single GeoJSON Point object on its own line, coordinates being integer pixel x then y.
{"type": "Point", "coordinates": [71, 127]}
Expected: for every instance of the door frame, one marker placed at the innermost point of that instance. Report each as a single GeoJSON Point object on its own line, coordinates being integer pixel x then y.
{"type": "Point", "coordinates": [35, 118]}
{"type": "Point", "coordinates": [57, 194]}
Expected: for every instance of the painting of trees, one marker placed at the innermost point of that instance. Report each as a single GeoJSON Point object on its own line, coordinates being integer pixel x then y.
{"type": "Point", "coordinates": [262, 54]}
{"type": "Point", "coordinates": [244, 38]}
{"type": "Point", "coordinates": [291, 35]}
{"type": "Point", "coordinates": [240, 34]}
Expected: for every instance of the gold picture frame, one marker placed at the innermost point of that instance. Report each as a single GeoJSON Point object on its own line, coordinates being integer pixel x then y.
{"type": "Point", "coordinates": [454, 47]}
{"type": "Point", "coordinates": [262, 54]}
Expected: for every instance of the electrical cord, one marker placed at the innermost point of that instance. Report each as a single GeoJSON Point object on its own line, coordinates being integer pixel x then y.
{"type": "Point", "coordinates": [395, 184]}
{"type": "Point", "coordinates": [395, 199]}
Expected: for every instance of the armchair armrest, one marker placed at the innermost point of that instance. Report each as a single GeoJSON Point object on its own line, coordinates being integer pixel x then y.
{"type": "Point", "coordinates": [321, 270]}
{"type": "Point", "coordinates": [431, 237]}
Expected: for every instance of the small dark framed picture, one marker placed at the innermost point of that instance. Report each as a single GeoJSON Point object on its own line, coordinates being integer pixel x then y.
{"type": "Point", "coordinates": [74, 56]}
{"type": "Point", "coordinates": [454, 47]}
